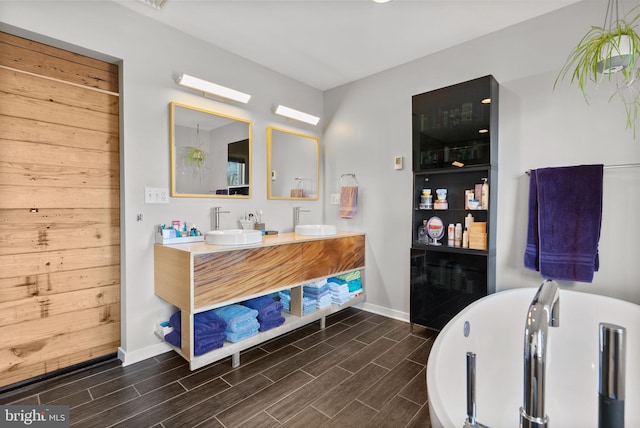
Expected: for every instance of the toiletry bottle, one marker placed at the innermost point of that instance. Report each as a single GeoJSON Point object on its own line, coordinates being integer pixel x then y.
{"type": "Point", "coordinates": [451, 235]}
{"type": "Point", "coordinates": [458, 235]}
{"type": "Point", "coordinates": [468, 220]}
{"type": "Point", "coordinates": [485, 195]}
{"type": "Point", "coordinates": [423, 238]}
{"type": "Point", "coordinates": [465, 239]}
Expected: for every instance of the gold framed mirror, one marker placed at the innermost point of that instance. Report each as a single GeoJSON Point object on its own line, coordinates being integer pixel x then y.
{"type": "Point", "coordinates": [210, 153]}
{"type": "Point", "coordinates": [293, 165]}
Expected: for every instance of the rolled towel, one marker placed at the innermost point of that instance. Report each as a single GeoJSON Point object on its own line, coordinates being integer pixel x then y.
{"type": "Point", "coordinates": [234, 314]}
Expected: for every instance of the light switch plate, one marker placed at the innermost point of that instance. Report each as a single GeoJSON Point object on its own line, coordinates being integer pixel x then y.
{"type": "Point", "coordinates": [335, 199]}
{"type": "Point", "coordinates": [156, 195]}
{"type": "Point", "coordinates": [398, 162]}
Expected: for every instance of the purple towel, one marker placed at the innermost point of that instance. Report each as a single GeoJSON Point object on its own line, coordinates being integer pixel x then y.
{"type": "Point", "coordinates": [203, 321]}
{"type": "Point", "coordinates": [267, 307]}
{"type": "Point", "coordinates": [271, 323]}
{"type": "Point", "coordinates": [565, 213]}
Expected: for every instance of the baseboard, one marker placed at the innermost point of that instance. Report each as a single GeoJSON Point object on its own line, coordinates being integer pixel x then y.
{"type": "Point", "coordinates": [136, 356]}
{"type": "Point", "coordinates": [380, 310]}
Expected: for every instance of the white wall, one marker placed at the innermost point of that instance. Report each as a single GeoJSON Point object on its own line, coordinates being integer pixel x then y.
{"type": "Point", "coordinates": [369, 122]}
{"type": "Point", "coordinates": [152, 58]}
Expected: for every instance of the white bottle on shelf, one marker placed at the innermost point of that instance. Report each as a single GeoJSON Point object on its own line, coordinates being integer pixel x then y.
{"type": "Point", "coordinates": [485, 195]}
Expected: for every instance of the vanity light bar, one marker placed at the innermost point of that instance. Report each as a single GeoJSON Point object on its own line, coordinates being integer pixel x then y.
{"type": "Point", "coordinates": [213, 88]}
{"type": "Point", "coordinates": [297, 115]}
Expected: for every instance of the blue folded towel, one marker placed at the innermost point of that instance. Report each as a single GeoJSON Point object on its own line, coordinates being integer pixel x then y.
{"type": "Point", "coordinates": [237, 337]}
{"type": "Point", "coordinates": [201, 345]}
{"type": "Point", "coordinates": [244, 326]}
{"type": "Point", "coordinates": [202, 321]}
{"type": "Point", "coordinates": [272, 323]}
{"type": "Point", "coordinates": [265, 305]}
{"type": "Point", "coordinates": [235, 314]}
{"type": "Point", "coordinates": [564, 220]}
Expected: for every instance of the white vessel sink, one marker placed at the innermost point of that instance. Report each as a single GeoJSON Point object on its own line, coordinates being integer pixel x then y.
{"type": "Point", "coordinates": [233, 237]}
{"type": "Point", "coordinates": [316, 229]}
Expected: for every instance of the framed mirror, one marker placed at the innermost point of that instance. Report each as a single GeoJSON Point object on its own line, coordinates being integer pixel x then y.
{"type": "Point", "coordinates": [293, 165]}
{"type": "Point", "coordinates": [210, 154]}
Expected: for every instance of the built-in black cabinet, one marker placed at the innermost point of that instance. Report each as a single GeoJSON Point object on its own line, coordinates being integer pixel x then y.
{"type": "Point", "coordinates": [454, 148]}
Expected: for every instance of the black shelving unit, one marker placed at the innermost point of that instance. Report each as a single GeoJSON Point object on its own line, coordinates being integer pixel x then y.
{"type": "Point", "coordinates": [454, 147]}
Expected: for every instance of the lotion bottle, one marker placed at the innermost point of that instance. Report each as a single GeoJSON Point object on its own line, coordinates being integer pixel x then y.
{"type": "Point", "coordinates": [485, 195]}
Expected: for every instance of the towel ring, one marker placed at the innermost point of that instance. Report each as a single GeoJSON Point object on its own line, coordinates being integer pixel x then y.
{"type": "Point", "coordinates": [349, 174]}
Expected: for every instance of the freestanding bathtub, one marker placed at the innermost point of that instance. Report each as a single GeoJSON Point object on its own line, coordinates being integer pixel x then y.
{"type": "Point", "coordinates": [496, 335]}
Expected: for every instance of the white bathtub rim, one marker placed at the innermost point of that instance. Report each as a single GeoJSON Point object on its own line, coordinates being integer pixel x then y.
{"type": "Point", "coordinates": [436, 405]}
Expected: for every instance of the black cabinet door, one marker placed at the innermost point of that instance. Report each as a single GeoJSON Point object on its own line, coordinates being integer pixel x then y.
{"type": "Point", "coordinates": [443, 283]}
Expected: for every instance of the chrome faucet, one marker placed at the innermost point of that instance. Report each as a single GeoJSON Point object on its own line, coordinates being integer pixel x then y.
{"type": "Point", "coordinates": [544, 312]}
{"type": "Point", "coordinates": [296, 216]}
{"type": "Point", "coordinates": [216, 217]}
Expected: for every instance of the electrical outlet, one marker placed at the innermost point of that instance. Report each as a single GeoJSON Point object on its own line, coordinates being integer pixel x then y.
{"type": "Point", "coordinates": [156, 195]}
{"type": "Point", "coordinates": [335, 199]}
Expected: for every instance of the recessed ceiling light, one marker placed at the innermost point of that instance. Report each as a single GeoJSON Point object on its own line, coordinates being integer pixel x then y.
{"type": "Point", "coordinates": [156, 4]}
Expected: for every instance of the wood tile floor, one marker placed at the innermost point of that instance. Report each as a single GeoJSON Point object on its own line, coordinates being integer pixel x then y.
{"type": "Point", "coordinates": [362, 370]}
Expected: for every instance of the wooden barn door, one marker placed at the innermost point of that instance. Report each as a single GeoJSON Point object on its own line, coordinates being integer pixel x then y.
{"type": "Point", "coordinates": [59, 209]}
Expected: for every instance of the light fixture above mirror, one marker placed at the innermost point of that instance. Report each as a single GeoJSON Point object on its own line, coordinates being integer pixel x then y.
{"type": "Point", "coordinates": [296, 115]}
{"type": "Point", "coordinates": [214, 89]}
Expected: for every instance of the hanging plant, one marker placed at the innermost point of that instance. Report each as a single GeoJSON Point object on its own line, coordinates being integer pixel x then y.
{"type": "Point", "coordinates": [609, 51]}
{"type": "Point", "coordinates": [195, 156]}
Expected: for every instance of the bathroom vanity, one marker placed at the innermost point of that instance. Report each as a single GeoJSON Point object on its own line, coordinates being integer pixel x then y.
{"type": "Point", "coordinates": [197, 277]}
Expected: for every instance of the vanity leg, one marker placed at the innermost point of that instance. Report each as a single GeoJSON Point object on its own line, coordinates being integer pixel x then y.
{"type": "Point", "coordinates": [323, 323]}
{"type": "Point", "coordinates": [235, 360]}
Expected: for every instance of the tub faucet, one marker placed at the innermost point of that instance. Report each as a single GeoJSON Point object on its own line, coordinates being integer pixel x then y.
{"type": "Point", "coordinates": [296, 216]}
{"type": "Point", "coordinates": [216, 217]}
{"type": "Point", "coordinates": [544, 312]}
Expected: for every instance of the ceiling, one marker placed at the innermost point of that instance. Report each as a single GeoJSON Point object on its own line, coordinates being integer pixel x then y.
{"type": "Point", "coordinates": [327, 43]}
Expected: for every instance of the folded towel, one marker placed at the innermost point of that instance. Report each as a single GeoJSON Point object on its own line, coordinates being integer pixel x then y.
{"type": "Point", "coordinates": [175, 321]}
{"type": "Point", "coordinates": [237, 337]}
{"type": "Point", "coordinates": [234, 314]}
{"type": "Point", "coordinates": [565, 215]}
{"type": "Point", "coordinates": [244, 326]}
{"type": "Point", "coordinates": [269, 324]}
{"type": "Point", "coordinates": [348, 201]}
{"type": "Point", "coordinates": [201, 345]}
{"type": "Point", "coordinates": [265, 305]}
{"type": "Point", "coordinates": [202, 322]}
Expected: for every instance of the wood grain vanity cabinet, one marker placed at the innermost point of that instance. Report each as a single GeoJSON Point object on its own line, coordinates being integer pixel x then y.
{"type": "Point", "coordinates": [197, 277]}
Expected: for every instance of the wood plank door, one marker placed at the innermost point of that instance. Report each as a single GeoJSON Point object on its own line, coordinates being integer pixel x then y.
{"type": "Point", "coordinates": [59, 209]}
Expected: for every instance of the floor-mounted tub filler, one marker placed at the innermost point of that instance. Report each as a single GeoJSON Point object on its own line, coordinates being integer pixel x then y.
{"type": "Point", "coordinates": [567, 359]}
